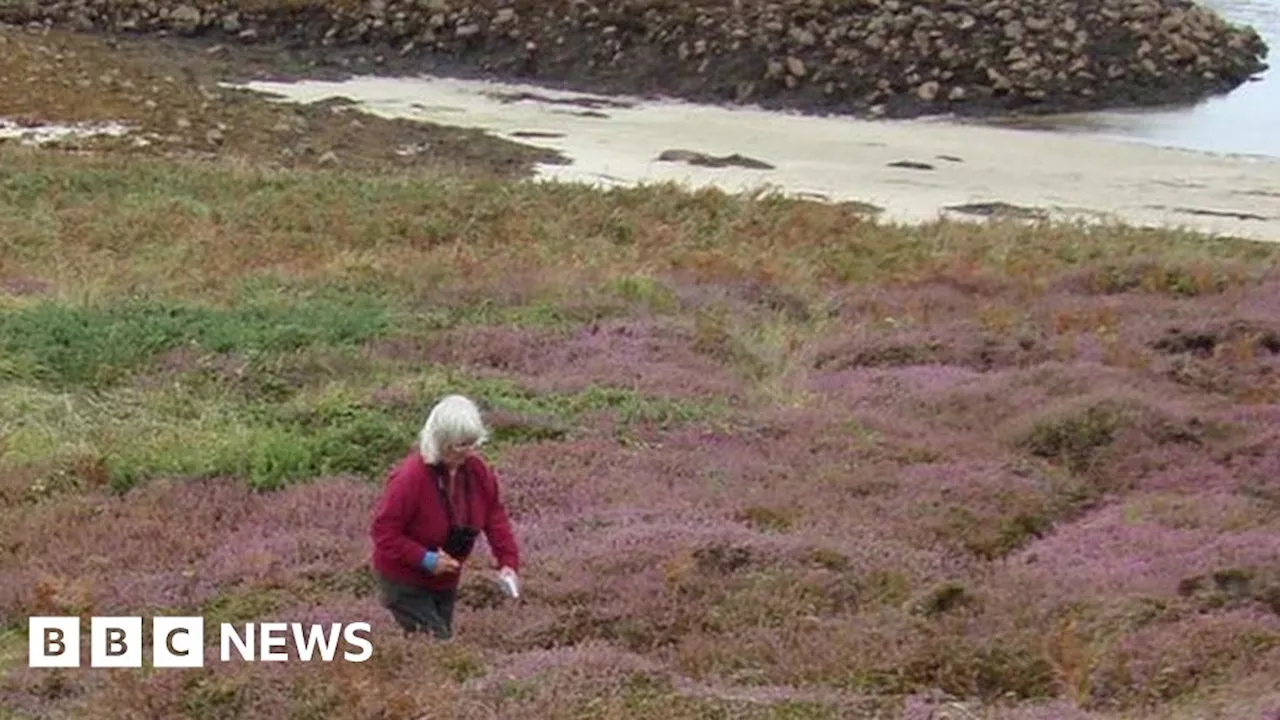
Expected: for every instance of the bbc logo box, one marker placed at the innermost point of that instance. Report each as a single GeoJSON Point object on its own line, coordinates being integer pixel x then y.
{"type": "Point", "coordinates": [179, 642]}
{"type": "Point", "coordinates": [116, 642]}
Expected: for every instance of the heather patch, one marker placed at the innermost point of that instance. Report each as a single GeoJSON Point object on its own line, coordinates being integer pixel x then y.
{"type": "Point", "coordinates": [182, 544]}
{"type": "Point", "coordinates": [979, 405]}
{"type": "Point", "coordinates": [1255, 466]}
{"type": "Point", "coordinates": [531, 665]}
{"type": "Point", "coordinates": [878, 388]}
{"type": "Point", "coordinates": [1234, 586]}
{"type": "Point", "coordinates": [624, 684]}
{"type": "Point", "coordinates": [1177, 469]}
{"type": "Point", "coordinates": [648, 694]}
{"type": "Point", "coordinates": [711, 543]}
{"type": "Point", "coordinates": [292, 689]}
{"type": "Point", "coordinates": [1211, 338]}
{"type": "Point", "coordinates": [28, 693]}
{"type": "Point", "coordinates": [1247, 381]}
{"type": "Point", "coordinates": [1261, 301]}
{"type": "Point", "coordinates": [748, 296]}
{"type": "Point", "coordinates": [642, 356]}
{"type": "Point", "coordinates": [806, 445]}
{"type": "Point", "coordinates": [136, 552]}
{"type": "Point", "coordinates": [1166, 662]}
{"type": "Point", "coordinates": [1084, 432]}
{"type": "Point", "coordinates": [1110, 553]}
{"type": "Point", "coordinates": [881, 652]}
{"type": "Point", "coordinates": [965, 344]}
{"type": "Point", "coordinates": [650, 581]}
{"type": "Point", "coordinates": [1156, 275]}
{"type": "Point", "coordinates": [571, 476]}
{"type": "Point", "coordinates": [1239, 359]}
{"type": "Point", "coordinates": [1047, 710]}
{"type": "Point", "coordinates": [932, 297]}
{"type": "Point", "coordinates": [673, 607]}
{"type": "Point", "coordinates": [872, 423]}
{"type": "Point", "coordinates": [986, 509]}
{"type": "Point", "coordinates": [308, 532]}
{"type": "Point", "coordinates": [1197, 507]}
{"type": "Point", "coordinates": [15, 288]}
{"type": "Point", "coordinates": [1012, 325]}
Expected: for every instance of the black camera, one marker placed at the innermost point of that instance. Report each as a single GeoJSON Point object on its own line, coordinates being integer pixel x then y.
{"type": "Point", "coordinates": [461, 541]}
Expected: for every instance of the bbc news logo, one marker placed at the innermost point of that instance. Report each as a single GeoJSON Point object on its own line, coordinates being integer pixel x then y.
{"type": "Point", "coordinates": [179, 642]}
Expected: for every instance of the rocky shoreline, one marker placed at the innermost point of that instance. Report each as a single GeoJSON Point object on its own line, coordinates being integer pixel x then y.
{"type": "Point", "coordinates": [891, 58]}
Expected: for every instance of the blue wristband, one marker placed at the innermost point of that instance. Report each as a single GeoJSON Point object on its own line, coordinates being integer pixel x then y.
{"type": "Point", "coordinates": [429, 560]}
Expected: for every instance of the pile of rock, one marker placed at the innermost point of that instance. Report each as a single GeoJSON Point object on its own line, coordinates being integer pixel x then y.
{"type": "Point", "coordinates": [894, 57]}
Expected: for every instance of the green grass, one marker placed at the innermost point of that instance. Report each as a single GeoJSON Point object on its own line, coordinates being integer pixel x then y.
{"type": "Point", "coordinates": [64, 346]}
{"type": "Point", "coordinates": [106, 226]}
{"type": "Point", "coordinates": [201, 423]}
{"type": "Point", "coordinates": [13, 649]}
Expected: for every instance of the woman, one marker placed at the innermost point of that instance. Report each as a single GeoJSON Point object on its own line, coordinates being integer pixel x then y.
{"type": "Point", "coordinates": [436, 502]}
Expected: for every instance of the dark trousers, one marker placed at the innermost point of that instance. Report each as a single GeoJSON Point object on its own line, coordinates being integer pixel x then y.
{"type": "Point", "coordinates": [418, 609]}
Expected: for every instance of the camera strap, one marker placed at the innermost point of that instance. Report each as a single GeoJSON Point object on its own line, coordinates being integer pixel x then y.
{"type": "Point", "coordinates": [444, 493]}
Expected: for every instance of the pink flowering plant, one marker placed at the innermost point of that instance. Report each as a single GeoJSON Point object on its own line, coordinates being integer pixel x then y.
{"type": "Point", "coordinates": [764, 459]}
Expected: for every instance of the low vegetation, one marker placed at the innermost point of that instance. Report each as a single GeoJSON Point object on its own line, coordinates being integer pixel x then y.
{"type": "Point", "coordinates": [767, 458]}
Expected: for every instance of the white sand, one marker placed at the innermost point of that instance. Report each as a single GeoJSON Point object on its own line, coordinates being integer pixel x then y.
{"type": "Point", "coordinates": [842, 159]}
{"type": "Point", "coordinates": [47, 133]}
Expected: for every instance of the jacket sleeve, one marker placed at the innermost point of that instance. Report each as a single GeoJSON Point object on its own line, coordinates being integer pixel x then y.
{"type": "Point", "coordinates": [391, 518]}
{"type": "Point", "coordinates": [497, 528]}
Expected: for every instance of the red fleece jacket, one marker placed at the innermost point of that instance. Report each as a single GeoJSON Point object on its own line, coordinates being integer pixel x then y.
{"type": "Point", "coordinates": [410, 519]}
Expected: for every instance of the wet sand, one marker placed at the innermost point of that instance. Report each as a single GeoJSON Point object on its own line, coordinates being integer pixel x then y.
{"type": "Point", "coordinates": [916, 170]}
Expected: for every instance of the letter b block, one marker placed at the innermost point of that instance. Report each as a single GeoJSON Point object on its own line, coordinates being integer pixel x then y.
{"type": "Point", "coordinates": [54, 642]}
{"type": "Point", "coordinates": [178, 642]}
{"type": "Point", "coordinates": [116, 642]}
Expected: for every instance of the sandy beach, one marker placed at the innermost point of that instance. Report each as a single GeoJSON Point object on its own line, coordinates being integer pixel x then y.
{"type": "Point", "coordinates": [916, 171]}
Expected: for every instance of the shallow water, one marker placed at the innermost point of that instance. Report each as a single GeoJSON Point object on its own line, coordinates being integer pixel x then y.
{"type": "Point", "coordinates": [1244, 121]}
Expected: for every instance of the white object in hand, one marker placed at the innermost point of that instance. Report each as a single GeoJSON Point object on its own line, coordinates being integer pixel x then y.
{"type": "Point", "coordinates": [508, 582]}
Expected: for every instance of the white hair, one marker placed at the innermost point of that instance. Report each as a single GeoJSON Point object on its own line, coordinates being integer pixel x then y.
{"type": "Point", "coordinates": [454, 419]}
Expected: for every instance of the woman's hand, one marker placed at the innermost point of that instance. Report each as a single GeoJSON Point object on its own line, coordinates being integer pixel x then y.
{"type": "Point", "coordinates": [446, 564]}
{"type": "Point", "coordinates": [439, 562]}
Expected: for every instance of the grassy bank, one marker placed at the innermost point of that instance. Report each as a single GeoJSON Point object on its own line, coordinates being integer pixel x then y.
{"type": "Point", "coordinates": [767, 458]}
{"type": "Point", "coordinates": [169, 101]}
